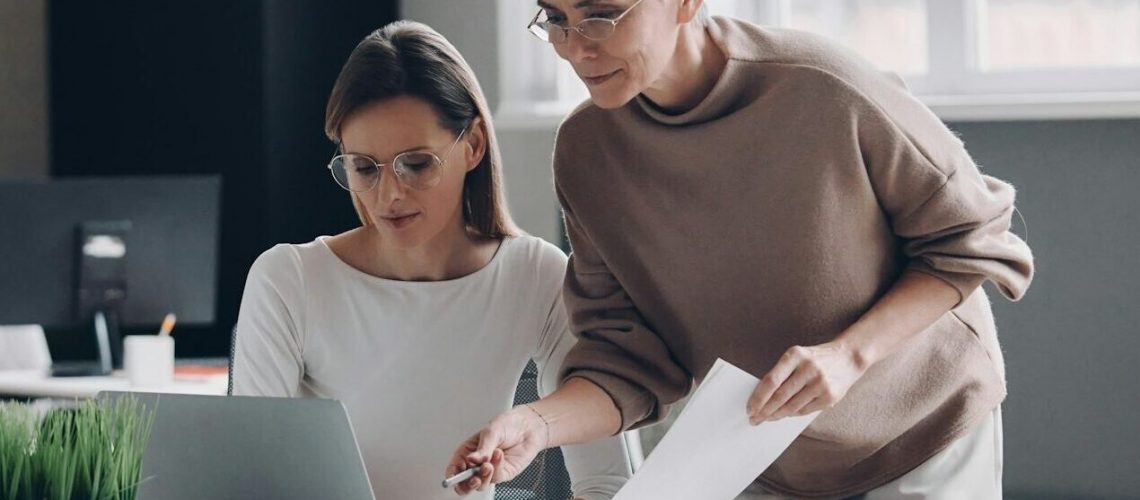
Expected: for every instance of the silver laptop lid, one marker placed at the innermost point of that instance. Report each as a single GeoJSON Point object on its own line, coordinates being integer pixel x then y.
{"type": "Point", "coordinates": [239, 447]}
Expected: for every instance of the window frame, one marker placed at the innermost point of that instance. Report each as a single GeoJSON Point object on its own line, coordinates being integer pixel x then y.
{"type": "Point", "coordinates": [954, 87]}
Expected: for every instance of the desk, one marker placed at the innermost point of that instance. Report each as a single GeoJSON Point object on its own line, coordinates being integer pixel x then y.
{"type": "Point", "coordinates": [36, 384]}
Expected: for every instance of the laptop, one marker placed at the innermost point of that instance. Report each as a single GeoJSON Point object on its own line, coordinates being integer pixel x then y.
{"type": "Point", "coordinates": [239, 447]}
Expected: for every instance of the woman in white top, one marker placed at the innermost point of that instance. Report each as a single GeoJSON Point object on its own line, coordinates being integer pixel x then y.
{"type": "Point", "coordinates": [421, 320]}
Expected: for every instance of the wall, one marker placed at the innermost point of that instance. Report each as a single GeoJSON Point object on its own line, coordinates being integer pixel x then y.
{"type": "Point", "coordinates": [23, 90]}
{"type": "Point", "coordinates": [1071, 343]}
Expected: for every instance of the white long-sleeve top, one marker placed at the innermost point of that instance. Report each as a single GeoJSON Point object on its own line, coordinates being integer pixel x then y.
{"type": "Point", "coordinates": [420, 366]}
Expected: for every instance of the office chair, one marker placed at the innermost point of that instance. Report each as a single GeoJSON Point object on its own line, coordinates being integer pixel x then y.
{"type": "Point", "coordinates": [549, 480]}
{"type": "Point", "coordinates": [230, 367]}
{"type": "Point", "coordinates": [546, 477]}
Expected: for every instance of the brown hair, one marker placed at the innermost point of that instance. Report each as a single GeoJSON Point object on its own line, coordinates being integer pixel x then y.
{"type": "Point", "coordinates": [407, 58]}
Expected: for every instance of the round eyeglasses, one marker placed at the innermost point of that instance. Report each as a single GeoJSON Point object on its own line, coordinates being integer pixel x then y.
{"type": "Point", "coordinates": [418, 170]}
{"type": "Point", "coordinates": [592, 28]}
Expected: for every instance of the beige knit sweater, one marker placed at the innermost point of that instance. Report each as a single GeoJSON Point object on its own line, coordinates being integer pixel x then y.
{"type": "Point", "coordinates": [775, 213]}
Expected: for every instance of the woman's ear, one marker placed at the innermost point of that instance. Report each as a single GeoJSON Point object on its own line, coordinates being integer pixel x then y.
{"type": "Point", "coordinates": [475, 143]}
{"type": "Point", "coordinates": [688, 10]}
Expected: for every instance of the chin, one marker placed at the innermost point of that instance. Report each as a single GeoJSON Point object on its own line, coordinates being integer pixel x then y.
{"type": "Point", "coordinates": [611, 98]}
{"type": "Point", "coordinates": [408, 237]}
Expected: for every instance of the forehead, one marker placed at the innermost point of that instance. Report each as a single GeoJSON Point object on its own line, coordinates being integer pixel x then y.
{"type": "Point", "coordinates": [391, 125]}
{"type": "Point", "coordinates": [576, 4]}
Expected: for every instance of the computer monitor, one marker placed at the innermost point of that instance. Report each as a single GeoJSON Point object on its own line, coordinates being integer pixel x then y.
{"type": "Point", "coordinates": [109, 252]}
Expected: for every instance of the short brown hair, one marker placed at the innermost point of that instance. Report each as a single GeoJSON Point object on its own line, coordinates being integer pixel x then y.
{"type": "Point", "coordinates": [407, 58]}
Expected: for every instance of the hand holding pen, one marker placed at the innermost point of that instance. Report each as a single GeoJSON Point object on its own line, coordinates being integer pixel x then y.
{"type": "Point", "coordinates": [473, 477]}
{"type": "Point", "coordinates": [501, 450]}
{"type": "Point", "coordinates": [462, 476]}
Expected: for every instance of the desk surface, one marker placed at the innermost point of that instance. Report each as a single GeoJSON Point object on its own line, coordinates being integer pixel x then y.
{"type": "Point", "coordinates": [34, 383]}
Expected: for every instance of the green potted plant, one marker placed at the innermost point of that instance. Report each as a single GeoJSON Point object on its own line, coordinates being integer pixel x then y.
{"type": "Point", "coordinates": [92, 450]}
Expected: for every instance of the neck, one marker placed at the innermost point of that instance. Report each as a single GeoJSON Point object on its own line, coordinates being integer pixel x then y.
{"type": "Point", "coordinates": [692, 71]}
{"type": "Point", "coordinates": [451, 254]}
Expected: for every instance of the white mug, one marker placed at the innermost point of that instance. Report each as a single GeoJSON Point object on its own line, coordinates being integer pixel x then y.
{"type": "Point", "coordinates": [149, 360]}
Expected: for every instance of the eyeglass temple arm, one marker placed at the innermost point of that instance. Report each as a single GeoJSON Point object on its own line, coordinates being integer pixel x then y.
{"type": "Point", "coordinates": [618, 18]}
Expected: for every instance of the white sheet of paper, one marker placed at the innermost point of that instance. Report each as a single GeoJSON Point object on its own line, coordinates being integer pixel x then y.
{"type": "Point", "coordinates": [711, 452]}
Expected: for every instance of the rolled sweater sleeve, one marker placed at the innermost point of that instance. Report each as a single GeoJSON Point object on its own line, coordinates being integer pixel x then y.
{"type": "Point", "coordinates": [953, 220]}
{"type": "Point", "coordinates": [616, 350]}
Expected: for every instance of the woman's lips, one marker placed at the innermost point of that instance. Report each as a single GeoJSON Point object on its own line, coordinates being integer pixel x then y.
{"type": "Point", "coordinates": [598, 80]}
{"type": "Point", "coordinates": [400, 221]}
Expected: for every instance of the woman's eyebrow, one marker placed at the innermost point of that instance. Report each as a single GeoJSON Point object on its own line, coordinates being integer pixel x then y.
{"type": "Point", "coordinates": [398, 153]}
{"type": "Point", "coordinates": [580, 5]}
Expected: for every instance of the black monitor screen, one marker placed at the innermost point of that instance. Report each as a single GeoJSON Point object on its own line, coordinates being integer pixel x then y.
{"type": "Point", "coordinates": [164, 229]}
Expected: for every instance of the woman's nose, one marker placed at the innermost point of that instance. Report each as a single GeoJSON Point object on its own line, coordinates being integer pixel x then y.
{"type": "Point", "coordinates": [390, 187]}
{"type": "Point", "coordinates": [578, 48]}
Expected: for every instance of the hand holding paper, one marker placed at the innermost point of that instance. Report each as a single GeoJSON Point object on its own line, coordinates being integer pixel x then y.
{"type": "Point", "coordinates": [712, 452]}
{"type": "Point", "coordinates": [806, 380]}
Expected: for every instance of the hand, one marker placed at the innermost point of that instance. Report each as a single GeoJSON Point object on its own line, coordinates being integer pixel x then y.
{"type": "Point", "coordinates": [805, 380]}
{"type": "Point", "coordinates": [504, 448]}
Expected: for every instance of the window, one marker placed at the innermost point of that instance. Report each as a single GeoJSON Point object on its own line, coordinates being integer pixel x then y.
{"type": "Point", "coordinates": [1036, 35]}
{"type": "Point", "coordinates": [967, 59]}
{"type": "Point", "coordinates": [892, 33]}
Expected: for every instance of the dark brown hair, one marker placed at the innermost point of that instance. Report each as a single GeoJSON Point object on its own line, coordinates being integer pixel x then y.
{"type": "Point", "coordinates": [407, 58]}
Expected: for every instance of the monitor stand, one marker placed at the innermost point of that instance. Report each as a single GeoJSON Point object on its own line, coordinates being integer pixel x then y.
{"type": "Point", "coordinates": [101, 288]}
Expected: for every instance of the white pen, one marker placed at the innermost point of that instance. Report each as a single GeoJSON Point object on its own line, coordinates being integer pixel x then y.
{"type": "Point", "coordinates": [462, 476]}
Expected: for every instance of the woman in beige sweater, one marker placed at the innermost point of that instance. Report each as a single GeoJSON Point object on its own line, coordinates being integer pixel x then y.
{"type": "Point", "coordinates": [767, 197]}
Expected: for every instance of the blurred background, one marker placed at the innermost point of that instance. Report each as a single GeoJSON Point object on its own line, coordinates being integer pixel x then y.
{"type": "Point", "coordinates": [1045, 94]}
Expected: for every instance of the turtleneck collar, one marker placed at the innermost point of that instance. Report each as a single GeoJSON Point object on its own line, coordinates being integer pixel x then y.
{"type": "Point", "coordinates": [723, 95]}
